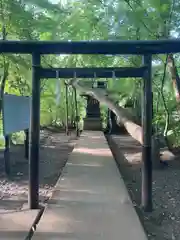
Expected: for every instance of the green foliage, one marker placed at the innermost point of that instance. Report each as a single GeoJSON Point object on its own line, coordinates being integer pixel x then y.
{"type": "Point", "coordinates": [92, 20]}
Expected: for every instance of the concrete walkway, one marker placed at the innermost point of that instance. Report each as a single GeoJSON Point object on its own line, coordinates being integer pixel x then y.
{"type": "Point", "coordinates": [90, 201]}
{"type": "Point", "coordinates": [16, 225]}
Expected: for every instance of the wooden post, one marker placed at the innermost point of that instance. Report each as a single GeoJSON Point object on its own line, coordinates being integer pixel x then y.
{"type": "Point", "coordinates": [7, 155]}
{"type": "Point", "coordinates": [26, 143]}
{"type": "Point", "coordinates": [77, 115]}
{"type": "Point", "coordinates": [67, 112]}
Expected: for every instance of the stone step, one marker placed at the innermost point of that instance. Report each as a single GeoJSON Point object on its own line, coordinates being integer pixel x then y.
{"type": "Point", "coordinates": [92, 124]}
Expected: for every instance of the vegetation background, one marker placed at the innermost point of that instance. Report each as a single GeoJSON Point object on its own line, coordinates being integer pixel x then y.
{"type": "Point", "coordinates": [94, 20]}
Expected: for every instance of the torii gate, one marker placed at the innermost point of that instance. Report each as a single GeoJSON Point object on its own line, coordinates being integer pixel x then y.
{"type": "Point", "coordinates": [138, 47]}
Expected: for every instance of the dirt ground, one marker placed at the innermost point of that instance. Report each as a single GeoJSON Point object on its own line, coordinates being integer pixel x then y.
{"type": "Point", "coordinates": [54, 151]}
{"type": "Point", "coordinates": [164, 222]}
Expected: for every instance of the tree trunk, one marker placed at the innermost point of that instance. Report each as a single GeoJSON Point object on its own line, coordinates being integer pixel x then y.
{"type": "Point", "coordinates": [123, 116]}
{"type": "Point", "coordinates": [175, 77]}
{"type": "Point", "coordinates": [3, 81]}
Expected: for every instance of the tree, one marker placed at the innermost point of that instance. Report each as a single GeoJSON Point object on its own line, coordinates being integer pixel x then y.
{"type": "Point", "coordinates": [123, 117]}
{"type": "Point", "coordinates": [94, 20]}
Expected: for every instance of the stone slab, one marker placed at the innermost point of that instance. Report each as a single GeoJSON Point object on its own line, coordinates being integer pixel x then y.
{"type": "Point", "coordinates": [16, 225]}
{"type": "Point", "coordinates": [93, 124]}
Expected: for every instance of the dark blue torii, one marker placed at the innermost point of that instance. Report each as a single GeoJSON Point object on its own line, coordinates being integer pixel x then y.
{"type": "Point", "coordinates": [38, 48]}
